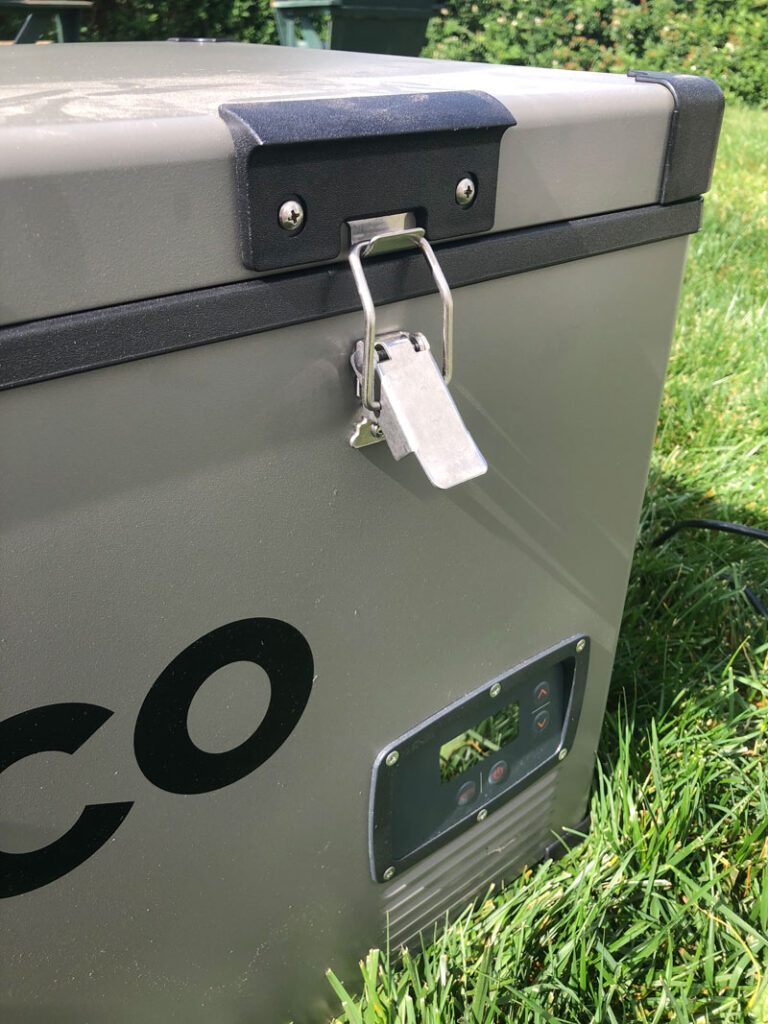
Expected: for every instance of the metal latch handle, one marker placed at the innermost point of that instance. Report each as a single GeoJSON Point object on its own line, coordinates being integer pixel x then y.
{"type": "Point", "coordinates": [384, 243]}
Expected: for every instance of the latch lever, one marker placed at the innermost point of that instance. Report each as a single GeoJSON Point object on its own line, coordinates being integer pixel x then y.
{"type": "Point", "coordinates": [404, 395]}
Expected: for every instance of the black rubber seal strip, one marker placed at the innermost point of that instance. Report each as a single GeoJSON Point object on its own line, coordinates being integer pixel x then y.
{"type": "Point", "coordinates": [355, 158]}
{"type": "Point", "coordinates": [77, 342]}
{"type": "Point", "coordinates": [693, 133]}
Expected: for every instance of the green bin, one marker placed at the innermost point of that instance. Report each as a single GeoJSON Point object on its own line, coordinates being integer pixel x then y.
{"type": "Point", "coordinates": [366, 26]}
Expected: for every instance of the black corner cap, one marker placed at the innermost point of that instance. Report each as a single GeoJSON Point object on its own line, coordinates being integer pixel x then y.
{"type": "Point", "coordinates": [357, 157]}
{"type": "Point", "coordinates": [693, 133]}
{"type": "Point", "coordinates": [568, 839]}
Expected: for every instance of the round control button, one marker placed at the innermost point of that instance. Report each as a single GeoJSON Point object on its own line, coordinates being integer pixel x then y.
{"type": "Point", "coordinates": [541, 693]}
{"type": "Point", "coordinates": [498, 773]}
{"type": "Point", "coordinates": [466, 794]}
{"type": "Point", "coordinates": [541, 720]}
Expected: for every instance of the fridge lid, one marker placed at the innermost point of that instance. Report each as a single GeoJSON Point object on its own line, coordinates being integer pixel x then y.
{"type": "Point", "coordinates": [132, 170]}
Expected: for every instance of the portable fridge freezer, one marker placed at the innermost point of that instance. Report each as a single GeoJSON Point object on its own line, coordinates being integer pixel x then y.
{"type": "Point", "coordinates": [245, 633]}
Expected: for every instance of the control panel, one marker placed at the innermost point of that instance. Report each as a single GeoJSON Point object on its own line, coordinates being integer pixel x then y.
{"type": "Point", "coordinates": [457, 767]}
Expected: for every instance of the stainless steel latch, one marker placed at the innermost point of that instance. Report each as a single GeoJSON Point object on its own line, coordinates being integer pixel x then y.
{"type": "Point", "coordinates": [404, 395]}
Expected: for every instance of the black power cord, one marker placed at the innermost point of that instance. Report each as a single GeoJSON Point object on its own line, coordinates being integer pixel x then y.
{"type": "Point", "coordinates": [720, 526]}
{"type": "Point", "coordinates": [710, 524]}
{"type": "Point", "coordinates": [750, 595]}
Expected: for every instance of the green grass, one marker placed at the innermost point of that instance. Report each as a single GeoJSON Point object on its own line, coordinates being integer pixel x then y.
{"type": "Point", "coordinates": [662, 914]}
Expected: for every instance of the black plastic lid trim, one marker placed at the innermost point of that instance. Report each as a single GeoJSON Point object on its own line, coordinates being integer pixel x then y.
{"type": "Point", "coordinates": [693, 133]}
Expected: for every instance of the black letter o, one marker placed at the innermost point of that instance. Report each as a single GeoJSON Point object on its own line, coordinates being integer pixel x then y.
{"type": "Point", "coordinates": [164, 751]}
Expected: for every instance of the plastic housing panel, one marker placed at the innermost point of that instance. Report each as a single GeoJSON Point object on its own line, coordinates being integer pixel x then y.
{"type": "Point", "coordinates": [150, 503]}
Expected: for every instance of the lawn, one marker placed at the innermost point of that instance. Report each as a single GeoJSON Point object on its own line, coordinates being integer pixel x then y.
{"type": "Point", "coordinates": [662, 914]}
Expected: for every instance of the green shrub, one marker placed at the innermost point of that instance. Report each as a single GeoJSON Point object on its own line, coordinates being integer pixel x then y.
{"type": "Point", "coordinates": [247, 21]}
{"type": "Point", "coordinates": [726, 39]}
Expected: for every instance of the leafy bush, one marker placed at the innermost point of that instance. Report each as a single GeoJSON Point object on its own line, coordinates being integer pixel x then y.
{"type": "Point", "coordinates": [248, 21]}
{"type": "Point", "coordinates": [726, 39]}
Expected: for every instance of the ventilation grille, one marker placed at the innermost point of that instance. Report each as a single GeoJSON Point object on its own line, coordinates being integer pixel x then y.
{"type": "Point", "coordinates": [515, 835]}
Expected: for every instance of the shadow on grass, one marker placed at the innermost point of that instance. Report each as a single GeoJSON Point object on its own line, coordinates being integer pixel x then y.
{"type": "Point", "coordinates": [686, 618]}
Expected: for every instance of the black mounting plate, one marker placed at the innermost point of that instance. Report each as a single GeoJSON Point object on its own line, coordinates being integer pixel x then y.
{"type": "Point", "coordinates": [353, 158]}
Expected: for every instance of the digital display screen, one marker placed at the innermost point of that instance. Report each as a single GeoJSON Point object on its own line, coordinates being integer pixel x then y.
{"type": "Point", "coordinates": [488, 737]}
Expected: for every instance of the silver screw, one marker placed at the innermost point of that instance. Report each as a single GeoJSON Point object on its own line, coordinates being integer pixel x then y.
{"type": "Point", "coordinates": [376, 430]}
{"type": "Point", "coordinates": [291, 215]}
{"type": "Point", "coordinates": [482, 815]}
{"type": "Point", "coordinates": [581, 645]}
{"type": "Point", "coordinates": [562, 754]}
{"type": "Point", "coordinates": [389, 873]}
{"type": "Point", "coordinates": [466, 190]}
{"type": "Point", "coordinates": [495, 690]}
{"type": "Point", "coordinates": [392, 758]}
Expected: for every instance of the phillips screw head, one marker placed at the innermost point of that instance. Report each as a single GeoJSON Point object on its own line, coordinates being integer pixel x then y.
{"type": "Point", "coordinates": [466, 191]}
{"type": "Point", "coordinates": [291, 216]}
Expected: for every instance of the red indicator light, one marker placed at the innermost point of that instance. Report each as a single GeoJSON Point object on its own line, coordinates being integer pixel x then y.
{"type": "Point", "coordinates": [466, 794]}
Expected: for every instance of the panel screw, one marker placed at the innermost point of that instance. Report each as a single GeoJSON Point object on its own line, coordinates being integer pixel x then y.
{"type": "Point", "coordinates": [291, 215]}
{"type": "Point", "coordinates": [482, 815]}
{"type": "Point", "coordinates": [495, 690]}
{"type": "Point", "coordinates": [392, 758]}
{"type": "Point", "coordinates": [562, 754]}
{"type": "Point", "coordinates": [581, 645]}
{"type": "Point", "coordinates": [466, 190]}
{"type": "Point", "coordinates": [389, 873]}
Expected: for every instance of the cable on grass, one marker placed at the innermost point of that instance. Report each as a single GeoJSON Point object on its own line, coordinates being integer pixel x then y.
{"type": "Point", "coordinates": [750, 595]}
{"type": "Point", "coordinates": [721, 526]}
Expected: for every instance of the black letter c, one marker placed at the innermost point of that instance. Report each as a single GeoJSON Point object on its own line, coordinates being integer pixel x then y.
{"type": "Point", "coordinates": [63, 727]}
